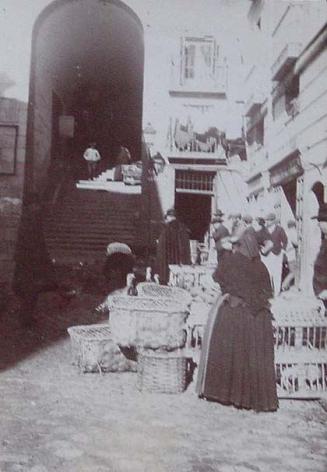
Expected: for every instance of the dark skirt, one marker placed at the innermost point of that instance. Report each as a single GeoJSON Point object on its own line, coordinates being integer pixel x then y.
{"type": "Point", "coordinates": [237, 360]}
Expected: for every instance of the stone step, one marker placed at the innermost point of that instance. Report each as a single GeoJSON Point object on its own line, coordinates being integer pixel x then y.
{"type": "Point", "coordinates": [86, 221]}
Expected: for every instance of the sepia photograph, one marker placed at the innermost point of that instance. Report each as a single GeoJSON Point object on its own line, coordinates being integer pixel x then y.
{"type": "Point", "coordinates": [163, 236]}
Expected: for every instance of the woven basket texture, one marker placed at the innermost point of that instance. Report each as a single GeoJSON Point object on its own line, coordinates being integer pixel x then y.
{"type": "Point", "coordinates": [93, 350]}
{"type": "Point", "coordinates": [161, 372]}
{"type": "Point", "coordinates": [148, 322]}
{"type": "Point", "coordinates": [150, 289]}
{"type": "Point", "coordinates": [299, 312]}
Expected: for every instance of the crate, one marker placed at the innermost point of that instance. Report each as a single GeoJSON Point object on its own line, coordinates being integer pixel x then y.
{"type": "Point", "coordinates": [188, 276]}
{"type": "Point", "coordinates": [300, 325]}
{"type": "Point", "coordinates": [161, 372]}
{"type": "Point", "coordinates": [300, 340]}
{"type": "Point", "coordinates": [149, 323]}
{"type": "Point", "coordinates": [93, 350]}
{"type": "Point", "coordinates": [299, 378]}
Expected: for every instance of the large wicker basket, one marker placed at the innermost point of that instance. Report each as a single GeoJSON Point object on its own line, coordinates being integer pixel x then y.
{"type": "Point", "coordinates": [93, 350]}
{"type": "Point", "coordinates": [161, 372]}
{"type": "Point", "coordinates": [150, 289]}
{"type": "Point", "coordinates": [150, 323]}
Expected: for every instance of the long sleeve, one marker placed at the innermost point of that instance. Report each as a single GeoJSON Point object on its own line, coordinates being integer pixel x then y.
{"type": "Point", "coordinates": [283, 237]}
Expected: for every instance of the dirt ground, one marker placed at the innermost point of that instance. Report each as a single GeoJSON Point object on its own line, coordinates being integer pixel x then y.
{"type": "Point", "coordinates": [55, 419]}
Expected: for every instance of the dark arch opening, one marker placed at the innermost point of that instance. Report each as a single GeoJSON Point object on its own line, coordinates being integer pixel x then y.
{"type": "Point", "coordinates": [87, 63]}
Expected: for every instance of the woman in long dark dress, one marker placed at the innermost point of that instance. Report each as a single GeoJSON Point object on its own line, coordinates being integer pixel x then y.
{"type": "Point", "coordinates": [173, 246]}
{"type": "Point", "coordinates": [237, 359]}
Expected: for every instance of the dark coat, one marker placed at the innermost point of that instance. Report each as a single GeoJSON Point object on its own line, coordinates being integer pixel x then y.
{"type": "Point", "coordinates": [34, 271]}
{"type": "Point", "coordinates": [173, 248]}
{"type": "Point", "coordinates": [320, 269]}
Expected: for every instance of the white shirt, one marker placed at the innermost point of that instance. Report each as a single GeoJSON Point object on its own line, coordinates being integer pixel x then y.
{"type": "Point", "coordinates": [92, 155]}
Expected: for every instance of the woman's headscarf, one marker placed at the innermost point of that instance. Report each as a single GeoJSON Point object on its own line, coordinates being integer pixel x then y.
{"type": "Point", "coordinates": [247, 244]}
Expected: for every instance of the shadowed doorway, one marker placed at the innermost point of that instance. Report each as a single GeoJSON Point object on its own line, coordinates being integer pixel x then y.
{"type": "Point", "coordinates": [195, 212]}
{"type": "Point", "coordinates": [90, 54]}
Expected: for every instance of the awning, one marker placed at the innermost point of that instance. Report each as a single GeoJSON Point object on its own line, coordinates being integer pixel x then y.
{"type": "Point", "coordinates": [288, 169]}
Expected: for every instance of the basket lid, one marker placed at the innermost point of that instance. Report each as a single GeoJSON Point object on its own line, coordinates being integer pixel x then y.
{"type": "Point", "coordinates": [160, 304]}
{"type": "Point", "coordinates": [151, 289]}
{"type": "Point", "coordinates": [94, 331]}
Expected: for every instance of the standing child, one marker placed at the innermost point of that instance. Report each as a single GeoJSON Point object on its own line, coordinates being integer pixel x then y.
{"type": "Point", "coordinates": [92, 157]}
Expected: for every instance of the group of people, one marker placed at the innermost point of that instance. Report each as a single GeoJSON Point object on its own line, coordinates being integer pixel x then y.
{"type": "Point", "coordinates": [237, 358]}
{"type": "Point", "coordinates": [93, 158]}
{"type": "Point", "coordinates": [270, 242]}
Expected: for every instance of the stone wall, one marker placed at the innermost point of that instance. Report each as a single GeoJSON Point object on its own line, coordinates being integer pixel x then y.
{"type": "Point", "coordinates": [12, 112]}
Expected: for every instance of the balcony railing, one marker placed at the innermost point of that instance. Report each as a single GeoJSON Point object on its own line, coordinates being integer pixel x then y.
{"type": "Point", "coordinates": [285, 60]}
{"type": "Point", "coordinates": [192, 149]}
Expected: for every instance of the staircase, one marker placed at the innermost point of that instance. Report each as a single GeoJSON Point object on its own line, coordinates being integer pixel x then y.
{"type": "Point", "coordinates": [79, 228]}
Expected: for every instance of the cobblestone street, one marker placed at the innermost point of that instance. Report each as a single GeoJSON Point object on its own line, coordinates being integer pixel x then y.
{"type": "Point", "coordinates": [55, 419]}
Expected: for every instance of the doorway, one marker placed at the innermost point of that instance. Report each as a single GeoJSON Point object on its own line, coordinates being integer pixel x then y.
{"type": "Point", "coordinates": [290, 194]}
{"type": "Point", "coordinates": [95, 65]}
{"type": "Point", "coordinates": [194, 210]}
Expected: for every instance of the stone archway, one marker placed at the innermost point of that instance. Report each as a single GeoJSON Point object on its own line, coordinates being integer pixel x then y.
{"type": "Point", "coordinates": [89, 56]}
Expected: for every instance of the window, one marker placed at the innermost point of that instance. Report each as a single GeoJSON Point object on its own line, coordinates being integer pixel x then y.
{"type": "Point", "coordinates": [199, 58]}
{"type": "Point", "coordinates": [189, 54]}
{"type": "Point", "coordinates": [286, 97]}
{"type": "Point", "coordinates": [256, 134]}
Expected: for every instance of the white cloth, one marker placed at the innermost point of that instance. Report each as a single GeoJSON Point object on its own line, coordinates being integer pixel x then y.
{"type": "Point", "coordinates": [91, 155]}
{"type": "Point", "coordinates": [274, 264]}
{"type": "Point", "coordinates": [291, 245]}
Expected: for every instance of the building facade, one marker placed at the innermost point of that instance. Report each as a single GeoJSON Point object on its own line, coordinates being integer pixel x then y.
{"type": "Point", "coordinates": [286, 121]}
{"type": "Point", "coordinates": [74, 71]}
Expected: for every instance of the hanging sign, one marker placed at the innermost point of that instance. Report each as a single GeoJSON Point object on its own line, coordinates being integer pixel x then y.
{"type": "Point", "coordinates": [286, 171]}
{"type": "Point", "coordinates": [66, 126]}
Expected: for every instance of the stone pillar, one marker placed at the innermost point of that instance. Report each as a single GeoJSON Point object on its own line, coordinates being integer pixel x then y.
{"type": "Point", "coordinates": [10, 211]}
{"type": "Point", "coordinates": [310, 235]}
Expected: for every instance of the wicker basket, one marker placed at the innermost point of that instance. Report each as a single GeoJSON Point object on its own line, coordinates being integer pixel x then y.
{"type": "Point", "coordinates": [161, 372]}
{"type": "Point", "coordinates": [93, 350]}
{"type": "Point", "coordinates": [150, 323]}
{"type": "Point", "coordinates": [150, 289]}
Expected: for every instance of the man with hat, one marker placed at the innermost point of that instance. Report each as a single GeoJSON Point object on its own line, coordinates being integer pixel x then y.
{"type": "Point", "coordinates": [273, 259]}
{"type": "Point", "coordinates": [219, 232]}
{"type": "Point", "coordinates": [173, 246]}
{"type": "Point", "coordinates": [320, 267]}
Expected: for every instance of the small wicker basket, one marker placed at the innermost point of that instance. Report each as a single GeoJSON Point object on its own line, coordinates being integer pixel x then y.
{"type": "Point", "coordinates": [161, 372]}
{"type": "Point", "coordinates": [93, 350]}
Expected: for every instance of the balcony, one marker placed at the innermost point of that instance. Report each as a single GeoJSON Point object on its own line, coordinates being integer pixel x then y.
{"type": "Point", "coordinates": [197, 153]}
{"type": "Point", "coordinates": [285, 60]}
{"type": "Point", "coordinates": [253, 103]}
{"type": "Point", "coordinates": [211, 84]}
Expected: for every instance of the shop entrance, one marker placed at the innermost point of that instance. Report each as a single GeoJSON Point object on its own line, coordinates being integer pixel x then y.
{"type": "Point", "coordinates": [195, 212]}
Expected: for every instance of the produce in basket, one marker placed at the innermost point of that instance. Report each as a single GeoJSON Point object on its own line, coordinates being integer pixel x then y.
{"type": "Point", "coordinates": [94, 350]}
{"type": "Point", "coordinates": [147, 322]}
